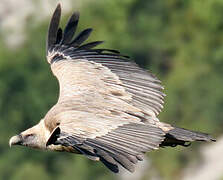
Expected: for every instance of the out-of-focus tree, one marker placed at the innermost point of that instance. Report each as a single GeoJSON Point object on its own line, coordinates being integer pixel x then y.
{"type": "Point", "coordinates": [180, 41]}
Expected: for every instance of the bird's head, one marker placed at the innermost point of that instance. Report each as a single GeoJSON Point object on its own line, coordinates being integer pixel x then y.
{"type": "Point", "coordinates": [34, 137]}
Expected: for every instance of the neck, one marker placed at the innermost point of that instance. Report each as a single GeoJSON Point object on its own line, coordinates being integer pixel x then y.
{"type": "Point", "coordinates": [41, 132]}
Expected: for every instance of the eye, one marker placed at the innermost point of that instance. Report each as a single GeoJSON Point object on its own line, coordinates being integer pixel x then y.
{"type": "Point", "coordinates": [29, 135]}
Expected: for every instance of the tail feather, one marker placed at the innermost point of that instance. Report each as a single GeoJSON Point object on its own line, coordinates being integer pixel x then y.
{"type": "Point", "coordinates": [183, 137]}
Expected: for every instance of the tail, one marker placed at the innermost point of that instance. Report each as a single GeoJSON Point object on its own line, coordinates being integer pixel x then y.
{"type": "Point", "coordinates": [184, 137]}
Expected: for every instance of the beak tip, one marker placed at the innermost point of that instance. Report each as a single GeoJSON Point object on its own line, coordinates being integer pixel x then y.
{"type": "Point", "coordinates": [10, 143]}
{"type": "Point", "coordinates": [15, 140]}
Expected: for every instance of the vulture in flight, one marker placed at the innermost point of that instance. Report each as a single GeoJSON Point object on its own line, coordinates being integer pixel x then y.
{"type": "Point", "coordinates": [107, 107]}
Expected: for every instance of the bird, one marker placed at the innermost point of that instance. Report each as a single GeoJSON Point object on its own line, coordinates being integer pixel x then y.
{"type": "Point", "coordinates": [108, 106]}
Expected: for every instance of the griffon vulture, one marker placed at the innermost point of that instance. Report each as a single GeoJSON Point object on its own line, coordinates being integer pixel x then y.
{"type": "Point", "coordinates": [107, 107]}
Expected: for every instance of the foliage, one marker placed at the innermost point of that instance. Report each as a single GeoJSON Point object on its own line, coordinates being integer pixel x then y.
{"type": "Point", "coordinates": [180, 41]}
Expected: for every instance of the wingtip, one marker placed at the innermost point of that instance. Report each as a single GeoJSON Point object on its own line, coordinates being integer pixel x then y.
{"type": "Point", "coordinates": [76, 14]}
{"type": "Point", "coordinates": [58, 6]}
{"type": "Point", "coordinates": [53, 26]}
{"type": "Point", "coordinates": [58, 9]}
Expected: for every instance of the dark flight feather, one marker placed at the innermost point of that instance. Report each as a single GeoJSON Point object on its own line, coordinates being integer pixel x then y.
{"type": "Point", "coordinates": [107, 160]}
{"type": "Point", "coordinates": [90, 45]}
{"type": "Point", "coordinates": [124, 145]}
{"type": "Point", "coordinates": [70, 28]}
{"type": "Point", "coordinates": [59, 36]}
{"type": "Point", "coordinates": [54, 24]}
{"type": "Point", "coordinates": [81, 37]}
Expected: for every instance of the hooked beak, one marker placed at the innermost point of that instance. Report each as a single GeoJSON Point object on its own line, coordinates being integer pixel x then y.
{"type": "Point", "coordinates": [15, 140]}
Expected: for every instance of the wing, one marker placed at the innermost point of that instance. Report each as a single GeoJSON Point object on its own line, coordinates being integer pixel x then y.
{"type": "Point", "coordinates": [145, 88]}
{"type": "Point", "coordinates": [107, 105]}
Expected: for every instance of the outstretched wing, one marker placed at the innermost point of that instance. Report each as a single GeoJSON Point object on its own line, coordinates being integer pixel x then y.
{"type": "Point", "coordinates": [145, 88]}
{"type": "Point", "coordinates": [107, 105]}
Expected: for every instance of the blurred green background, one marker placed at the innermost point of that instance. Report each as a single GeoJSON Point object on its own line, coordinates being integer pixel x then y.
{"type": "Point", "coordinates": [181, 42]}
